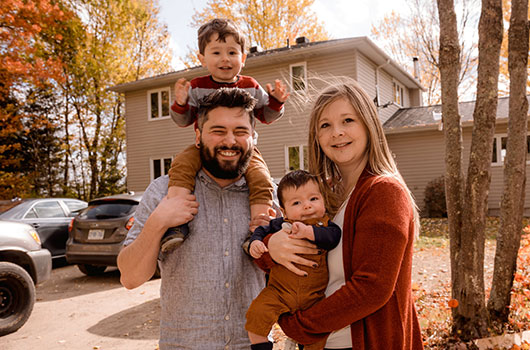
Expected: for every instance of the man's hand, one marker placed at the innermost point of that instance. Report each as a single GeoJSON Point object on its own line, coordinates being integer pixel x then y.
{"type": "Point", "coordinates": [257, 249]}
{"type": "Point", "coordinates": [300, 230]}
{"type": "Point", "coordinates": [182, 86]}
{"type": "Point", "coordinates": [279, 92]}
{"type": "Point", "coordinates": [261, 219]}
{"type": "Point", "coordinates": [176, 211]}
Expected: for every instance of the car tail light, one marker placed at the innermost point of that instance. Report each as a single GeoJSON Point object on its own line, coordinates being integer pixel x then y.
{"type": "Point", "coordinates": [71, 226]}
{"type": "Point", "coordinates": [129, 223]}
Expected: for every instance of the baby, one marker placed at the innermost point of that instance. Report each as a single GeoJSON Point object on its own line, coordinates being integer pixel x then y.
{"type": "Point", "coordinates": [304, 216]}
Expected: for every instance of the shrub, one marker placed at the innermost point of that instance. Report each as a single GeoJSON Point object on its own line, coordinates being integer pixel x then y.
{"type": "Point", "coordinates": [435, 206]}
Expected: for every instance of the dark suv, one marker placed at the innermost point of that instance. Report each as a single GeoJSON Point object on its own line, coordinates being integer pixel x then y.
{"type": "Point", "coordinates": [96, 234]}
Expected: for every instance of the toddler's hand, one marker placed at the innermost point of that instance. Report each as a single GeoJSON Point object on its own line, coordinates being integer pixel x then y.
{"type": "Point", "coordinates": [279, 92]}
{"type": "Point", "coordinates": [182, 87]}
{"type": "Point", "coordinates": [257, 249]}
{"type": "Point", "coordinates": [301, 230]}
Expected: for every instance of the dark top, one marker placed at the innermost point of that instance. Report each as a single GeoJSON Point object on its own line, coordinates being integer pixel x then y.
{"type": "Point", "coordinates": [326, 237]}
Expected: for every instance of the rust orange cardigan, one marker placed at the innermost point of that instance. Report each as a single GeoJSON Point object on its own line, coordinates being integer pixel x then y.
{"type": "Point", "coordinates": [376, 301]}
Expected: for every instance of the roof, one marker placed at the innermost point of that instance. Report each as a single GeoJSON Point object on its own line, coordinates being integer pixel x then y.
{"type": "Point", "coordinates": [429, 117]}
{"type": "Point", "coordinates": [284, 54]}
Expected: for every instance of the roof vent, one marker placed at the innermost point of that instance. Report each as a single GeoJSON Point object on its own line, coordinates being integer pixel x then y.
{"type": "Point", "coordinates": [302, 40]}
{"type": "Point", "coordinates": [254, 49]}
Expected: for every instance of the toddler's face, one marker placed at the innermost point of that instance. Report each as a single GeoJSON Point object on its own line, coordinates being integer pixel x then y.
{"type": "Point", "coordinates": [304, 202]}
{"type": "Point", "coordinates": [223, 59]}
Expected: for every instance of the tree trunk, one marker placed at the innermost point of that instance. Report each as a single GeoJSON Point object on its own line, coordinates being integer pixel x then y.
{"type": "Point", "coordinates": [470, 319]}
{"type": "Point", "coordinates": [512, 205]}
{"type": "Point", "coordinates": [449, 64]}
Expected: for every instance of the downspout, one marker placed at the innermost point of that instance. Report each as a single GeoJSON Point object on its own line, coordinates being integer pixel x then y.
{"type": "Point", "coordinates": [377, 81]}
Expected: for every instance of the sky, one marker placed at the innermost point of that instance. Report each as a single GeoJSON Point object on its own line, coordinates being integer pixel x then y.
{"type": "Point", "coordinates": [341, 18]}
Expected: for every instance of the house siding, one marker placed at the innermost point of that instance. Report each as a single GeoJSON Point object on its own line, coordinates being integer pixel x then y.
{"type": "Point", "coordinates": [151, 139]}
{"type": "Point", "coordinates": [420, 157]}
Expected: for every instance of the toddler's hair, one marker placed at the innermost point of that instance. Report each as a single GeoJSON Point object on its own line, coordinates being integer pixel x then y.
{"type": "Point", "coordinates": [294, 179]}
{"type": "Point", "coordinates": [222, 27]}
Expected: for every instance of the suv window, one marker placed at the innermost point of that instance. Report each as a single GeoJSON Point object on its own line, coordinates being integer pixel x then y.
{"type": "Point", "coordinates": [49, 209]}
{"type": "Point", "coordinates": [108, 210]}
{"type": "Point", "coordinates": [74, 206]}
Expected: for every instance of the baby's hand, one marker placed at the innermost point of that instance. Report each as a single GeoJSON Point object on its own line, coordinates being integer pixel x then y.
{"type": "Point", "coordinates": [182, 87]}
{"type": "Point", "coordinates": [257, 248]}
{"type": "Point", "coordinates": [300, 230]}
{"type": "Point", "coordinates": [280, 91]}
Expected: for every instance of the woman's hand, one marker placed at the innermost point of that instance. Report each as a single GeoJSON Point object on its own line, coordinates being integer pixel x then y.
{"type": "Point", "coordinates": [285, 250]}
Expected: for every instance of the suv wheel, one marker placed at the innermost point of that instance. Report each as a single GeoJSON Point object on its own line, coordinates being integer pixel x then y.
{"type": "Point", "coordinates": [91, 270]}
{"type": "Point", "coordinates": [17, 297]}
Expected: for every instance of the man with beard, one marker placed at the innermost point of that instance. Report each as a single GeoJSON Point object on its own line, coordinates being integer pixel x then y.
{"type": "Point", "coordinates": [209, 282]}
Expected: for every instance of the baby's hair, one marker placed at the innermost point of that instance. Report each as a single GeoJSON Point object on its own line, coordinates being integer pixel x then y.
{"type": "Point", "coordinates": [294, 179]}
{"type": "Point", "coordinates": [222, 27]}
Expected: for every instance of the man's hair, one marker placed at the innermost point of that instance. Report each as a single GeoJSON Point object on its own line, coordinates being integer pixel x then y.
{"type": "Point", "coordinates": [222, 27]}
{"type": "Point", "coordinates": [226, 97]}
{"type": "Point", "coordinates": [294, 179]}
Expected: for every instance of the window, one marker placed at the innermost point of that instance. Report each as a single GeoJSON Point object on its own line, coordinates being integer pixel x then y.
{"type": "Point", "coordinates": [295, 158]}
{"type": "Point", "coordinates": [75, 206]}
{"type": "Point", "coordinates": [158, 103]}
{"type": "Point", "coordinates": [159, 167]}
{"type": "Point", "coordinates": [499, 149]}
{"type": "Point", "coordinates": [298, 76]}
{"type": "Point", "coordinates": [48, 209]}
{"type": "Point", "coordinates": [397, 93]}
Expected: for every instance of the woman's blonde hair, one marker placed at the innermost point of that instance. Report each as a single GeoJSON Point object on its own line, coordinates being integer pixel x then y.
{"type": "Point", "coordinates": [380, 159]}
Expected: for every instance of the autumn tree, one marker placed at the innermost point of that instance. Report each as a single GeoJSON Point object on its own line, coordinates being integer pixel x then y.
{"type": "Point", "coordinates": [267, 24]}
{"type": "Point", "coordinates": [418, 34]}
{"type": "Point", "coordinates": [504, 77]}
{"type": "Point", "coordinates": [123, 41]}
{"type": "Point", "coordinates": [512, 203]}
{"type": "Point", "coordinates": [25, 61]}
{"type": "Point", "coordinates": [467, 205]}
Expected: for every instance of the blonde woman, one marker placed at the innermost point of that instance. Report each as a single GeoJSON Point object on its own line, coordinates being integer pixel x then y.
{"type": "Point", "coordinates": [369, 303]}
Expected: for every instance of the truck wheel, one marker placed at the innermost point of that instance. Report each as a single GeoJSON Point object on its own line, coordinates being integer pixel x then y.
{"type": "Point", "coordinates": [91, 270]}
{"type": "Point", "coordinates": [17, 297]}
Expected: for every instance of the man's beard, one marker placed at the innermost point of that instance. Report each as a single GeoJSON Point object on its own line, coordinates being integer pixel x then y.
{"type": "Point", "coordinates": [222, 169]}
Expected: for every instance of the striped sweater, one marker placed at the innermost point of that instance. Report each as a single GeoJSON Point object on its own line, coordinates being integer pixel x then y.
{"type": "Point", "coordinates": [267, 109]}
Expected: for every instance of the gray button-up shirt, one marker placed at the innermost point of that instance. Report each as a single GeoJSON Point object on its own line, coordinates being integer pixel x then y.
{"type": "Point", "coordinates": [209, 282]}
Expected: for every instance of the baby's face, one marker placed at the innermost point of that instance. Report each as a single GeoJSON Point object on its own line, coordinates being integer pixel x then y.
{"type": "Point", "coordinates": [304, 202]}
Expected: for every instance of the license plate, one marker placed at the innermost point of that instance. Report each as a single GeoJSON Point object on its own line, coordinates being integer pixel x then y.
{"type": "Point", "coordinates": [96, 234]}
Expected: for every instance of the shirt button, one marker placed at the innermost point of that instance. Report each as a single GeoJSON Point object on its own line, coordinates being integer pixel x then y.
{"type": "Point", "coordinates": [227, 284]}
{"type": "Point", "coordinates": [225, 220]}
{"type": "Point", "coordinates": [226, 252]}
{"type": "Point", "coordinates": [227, 317]}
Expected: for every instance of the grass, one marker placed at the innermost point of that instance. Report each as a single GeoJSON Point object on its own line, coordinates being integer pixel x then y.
{"type": "Point", "coordinates": [435, 232]}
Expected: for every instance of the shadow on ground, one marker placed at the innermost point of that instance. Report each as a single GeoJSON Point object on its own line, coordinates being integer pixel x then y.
{"type": "Point", "coordinates": [68, 282]}
{"type": "Point", "coordinates": [139, 322]}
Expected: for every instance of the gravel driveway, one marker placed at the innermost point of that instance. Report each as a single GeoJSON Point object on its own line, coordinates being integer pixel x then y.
{"type": "Point", "coordinates": [74, 311]}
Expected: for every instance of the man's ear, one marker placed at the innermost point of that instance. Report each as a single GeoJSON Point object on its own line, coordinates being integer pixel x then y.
{"type": "Point", "coordinates": [197, 137]}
